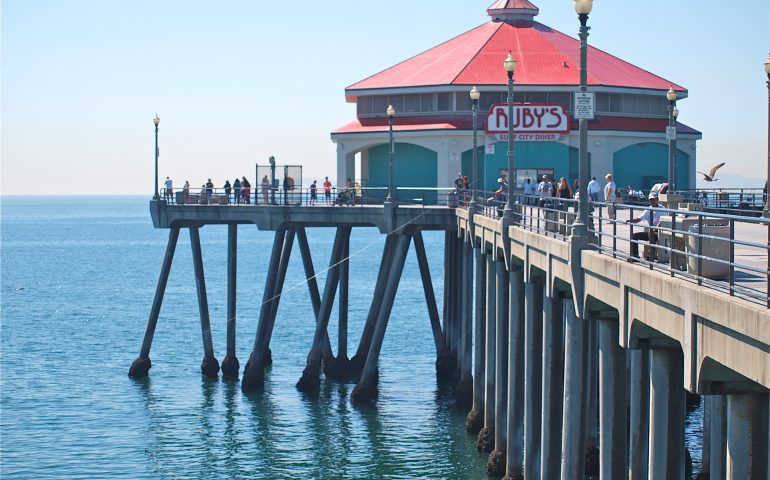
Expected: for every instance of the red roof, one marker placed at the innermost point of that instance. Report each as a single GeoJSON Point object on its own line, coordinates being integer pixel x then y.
{"type": "Point", "coordinates": [544, 57]}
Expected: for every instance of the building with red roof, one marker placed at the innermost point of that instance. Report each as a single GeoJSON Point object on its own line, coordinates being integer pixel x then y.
{"type": "Point", "coordinates": [433, 121]}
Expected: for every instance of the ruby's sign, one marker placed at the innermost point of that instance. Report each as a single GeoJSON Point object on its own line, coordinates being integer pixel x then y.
{"type": "Point", "coordinates": [531, 121]}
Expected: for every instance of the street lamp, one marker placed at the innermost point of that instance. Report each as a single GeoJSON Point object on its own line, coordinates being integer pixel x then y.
{"type": "Point", "coordinates": [580, 227]}
{"type": "Point", "coordinates": [671, 136]}
{"type": "Point", "coordinates": [391, 185]}
{"type": "Point", "coordinates": [766, 209]}
{"type": "Point", "coordinates": [156, 121]}
{"type": "Point", "coordinates": [510, 67]}
{"type": "Point", "coordinates": [475, 95]}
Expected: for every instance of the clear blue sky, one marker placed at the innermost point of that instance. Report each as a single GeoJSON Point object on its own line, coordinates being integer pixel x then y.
{"type": "Point", "coordinates": [236, 81]}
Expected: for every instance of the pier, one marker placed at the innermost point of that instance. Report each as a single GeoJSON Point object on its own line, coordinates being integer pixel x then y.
{"type": "Point", "coordinates": [561, 352]}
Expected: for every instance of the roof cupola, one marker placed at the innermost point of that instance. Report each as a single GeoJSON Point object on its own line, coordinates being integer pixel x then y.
{"type": "Point", "coordinates": [512, 10]}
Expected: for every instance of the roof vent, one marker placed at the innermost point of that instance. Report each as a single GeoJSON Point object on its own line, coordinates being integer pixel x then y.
{"type": "Point", "coordinates": [512, 10]}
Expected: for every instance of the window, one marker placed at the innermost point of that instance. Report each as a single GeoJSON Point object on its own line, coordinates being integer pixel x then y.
{"type": "Point", "coordinates": [629, 104]}
{"type": "Point", "coordinates": [426, 103]}
{"type": "Point", "coordinates": [364, 105]}
{"type": "Point", "coordinates": [602, 102]}
{"type": "Point", "coordinates": [643, 105]}
{"type": "Point", "coordinates": [397, 101]}
{"type": "Point", "coordinates": [561, 99]}
{"type": "Point", "coordinates": [444, 102]}
{"type": "Point", "coordinates": [615, 104]}
{"type": "Point", "coordinates": [411, 103]}
{"type": "Point", "coordinates": [487, 100]}
{"type": "Point", "coordinates": [379, 105]}
{"type": "Point", "coordinates": [537, 98]}
{"type": "Point", "coordinates": [463, 102]}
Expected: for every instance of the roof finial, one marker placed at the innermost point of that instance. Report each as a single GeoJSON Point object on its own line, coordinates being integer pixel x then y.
{"type": "Point", "coordinates": [511, 10]}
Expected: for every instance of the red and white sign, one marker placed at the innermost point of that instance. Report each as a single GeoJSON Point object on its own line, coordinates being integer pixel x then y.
{"type": "Point", "coordinates": [531, 122]}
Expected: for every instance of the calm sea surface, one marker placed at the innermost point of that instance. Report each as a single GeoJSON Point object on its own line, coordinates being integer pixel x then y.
{"type": "Point", "coordinates": [78, 278]}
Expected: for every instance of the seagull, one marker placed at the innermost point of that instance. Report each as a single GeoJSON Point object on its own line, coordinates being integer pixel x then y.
{"type": "Point", "coordinates": [709, 177]}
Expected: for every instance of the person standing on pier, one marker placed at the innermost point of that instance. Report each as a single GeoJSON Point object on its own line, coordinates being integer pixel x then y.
{"type": "Point", "coordinates": [237, 190]}
{"type": "Point", "coordinates": [246, 189]}
{"type": "Point", "coordinates": [169, 189]}
{"type": "Point", "coordinates": [186, 191]}
{"type": "Point", "coordinates": [313, 192]}
{"type": "Point", "coordinates": [227, 188]}
{"type": "Point", "coordinates": [544, 190]}
{"type": "Point", "coordinates": [328, 190]}
{"type": "Point", "coordinates": [610, 196]}
{"type": "Point", "coordinates": [593, 190]}
{"type": "Point", "coordinates": [209, 189]}
{"type": "Point", "coordinates": [265, 188]}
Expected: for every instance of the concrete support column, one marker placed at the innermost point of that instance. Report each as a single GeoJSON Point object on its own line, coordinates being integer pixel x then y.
{"type": "Point", "coordinates": [514, 459]}
{"type": "Point", "coordinates": [747, 436]}
{"type": "Point", "coordinates": [486, 438]}
{"type": "Point", "coordinates": [574, 422]}
{"type": "Point", "coordinates": [592, 392]}
{"type": "Point", "coordinates": [553, 385]}
{"type": "Point", "coordinates": [230, 364]}
{"type": "Point", "coordinates": [209, 364]}
{"type": "Point", "coordinates": [715, 416]}
{"type": "Point", "coordinates": [667, 411]}
{"type": "Point", "coordinates": [464, 390]}
{"type": "Point", "coordinates": [496, 463]}
{"type": "Point", "coordinates": [430, 299]}
{"type": "Point", "coordinates": [639, 397]}
{"type": "Point", "coordinates": [475, 418]}
{"type": "Point", "coordinates": [613, 408]}
{"type": "Point", "coordinates": [456, 299]}
{"type": "Point", "coordinates": [533, 377]}
{"type": "Point", "coordinates": [346, 165]}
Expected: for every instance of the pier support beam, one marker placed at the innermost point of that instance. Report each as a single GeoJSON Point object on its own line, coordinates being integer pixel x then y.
{"type": "Point", "coordinates": [496, 463]}
{"type": "Point", "coordinates": [253, 374]}
{"type": "Point", "coordinates": [230, 364]}
{"type": "Point", "coordinates": [464, 390]}
{"type": "Point", "coordinates": [475, 419]}
{"type": "Point", "coordinates": [514, 461]}
{"type": "Point", "coordinates": [639, 428]}
{"type": "Point", "coordinates": [613, 411]}
{"type": "Point", "coordinates": [553, 384]}
{"type": "Point", "coordinates": [142, 364]}
{"type": "Point", "coordinates": [310, 380]}
{"type": "Point", "coordinates": [574, 422]}
{"type": "Point", "coordinates": [486, 438]}
{"type": "Point", "coordinates": [366, 389]}
{"type": "Point", "coordinates": [533, 376]}
{"type": "Point", "coordinates": [358, 360]}
{"type": "Point", "coordinates": [747, 436]}
{"type": "Point", "coordinates": [715, 436]}
{"type": "Point", "coordinates": [209, 365]}
{"type": "Point", "coordinates": [339, 367]}
{"type": "Point", "coordinates": [312, 285]}
{"type": "Point", "coordinates": [275, 298]}
{"type": "Point", "coordinates": [442, 351]}
{"type": "Point", "coordinates": [667, 411]}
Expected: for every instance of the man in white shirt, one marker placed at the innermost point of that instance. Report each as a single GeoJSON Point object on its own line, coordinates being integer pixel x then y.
{"type": "Point", "coordinates": [544, 190]}
{"type": "Point", "coordinates": [652, 218]}
{"type": "Point", "coordinates": [593, 190]}
{"type": "Point", "coordinates": [169, 189]}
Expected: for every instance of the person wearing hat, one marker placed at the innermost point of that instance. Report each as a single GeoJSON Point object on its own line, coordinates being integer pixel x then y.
{"type": "Point", "coordinates": [610, 196]}
{"type": "Point", "coordinates": [459, 182]}
{"type": "Point", "coordinates": [652, 217]}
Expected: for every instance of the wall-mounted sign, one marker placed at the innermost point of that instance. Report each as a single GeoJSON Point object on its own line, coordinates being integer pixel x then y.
{"type": "Point", "coordinates": [531, 122]}
{"type": "Point", "coordinates": [584, 105]}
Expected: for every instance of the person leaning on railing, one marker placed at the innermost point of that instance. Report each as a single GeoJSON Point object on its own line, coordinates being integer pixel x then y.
{"type": "Point", "coordinates": [652, 217]}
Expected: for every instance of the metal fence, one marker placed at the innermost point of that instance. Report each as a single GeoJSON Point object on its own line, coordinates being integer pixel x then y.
{"type": "Point", "coordinates": [724, 252]}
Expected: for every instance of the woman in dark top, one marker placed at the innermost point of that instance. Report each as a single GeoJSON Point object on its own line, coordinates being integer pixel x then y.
{"type": "Point", "coordinates": [563, 191]}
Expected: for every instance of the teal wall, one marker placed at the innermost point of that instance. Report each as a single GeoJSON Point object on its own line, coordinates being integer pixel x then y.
{"type": "Point", "coordinates": [562, 158]}
{"type": "Point", "coordinates": [413, 166]}
{"type": "Point", "coordinates": [644, 164]}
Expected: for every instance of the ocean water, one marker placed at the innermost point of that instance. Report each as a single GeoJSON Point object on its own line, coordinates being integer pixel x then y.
{"type": "Point", "coordinates": [78, 279]}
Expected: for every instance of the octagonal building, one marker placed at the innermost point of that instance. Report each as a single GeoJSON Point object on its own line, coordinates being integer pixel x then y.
{"type": "Point", "coordinates": [433, 121]}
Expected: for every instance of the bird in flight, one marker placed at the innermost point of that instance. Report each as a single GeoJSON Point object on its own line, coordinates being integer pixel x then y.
{"type": "Point", "coordinates": [711, 176]}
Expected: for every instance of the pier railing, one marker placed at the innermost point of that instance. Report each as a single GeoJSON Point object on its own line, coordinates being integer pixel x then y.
{"type": "Point", "coordinates": [721, 251]}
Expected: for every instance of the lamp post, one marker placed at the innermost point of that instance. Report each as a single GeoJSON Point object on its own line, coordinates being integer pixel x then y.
{"type": "Point", "coordinates": [156, 121]}
{"type": "Point", "coordinates": [766, 209]}
{"type": "Point", "coordinates": [475, 95]}
{"type": "Point", "coordinates": [671, 136]}
{"type": "Point", "coordinates": [391, 185]}
{"type": "Point", "coordinates": [580, 227]}
{"type": "Point", "coordinates": [510, 67]}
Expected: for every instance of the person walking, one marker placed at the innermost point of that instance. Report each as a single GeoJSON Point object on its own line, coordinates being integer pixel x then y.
{"type": "Point", "coordinates": [593, 190]}
{"type": "Point", "coordinates": [228, 189]}
{"type": "Point", "coordinates": [610, 197]}
{"type": "Point", "coordinates": [328, 191]}
{"type": "Point", "coordinates": [651, 216]}
{"type": "Point", "coordinates": [169, 191]}
{"type": "Point", "coordinates": [237, 190]}
{"type": "Point", "coordinates": [313, 192]}
{"type": "Point", "coordinates": [544, 190]}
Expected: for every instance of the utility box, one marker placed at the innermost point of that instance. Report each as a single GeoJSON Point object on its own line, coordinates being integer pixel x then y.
{"type": "Point", "coordinates": [710, 247]}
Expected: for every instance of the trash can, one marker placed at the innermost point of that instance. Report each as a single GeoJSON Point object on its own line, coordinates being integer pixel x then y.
{"type": "Point", "coordinates": [551, 221]}
{"type": "Point", "coordinates": [711, 248]}
{"type": "Point", "coordinates": [566, 219]}
{"type": "Point", "coordinates": [179, 197]}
